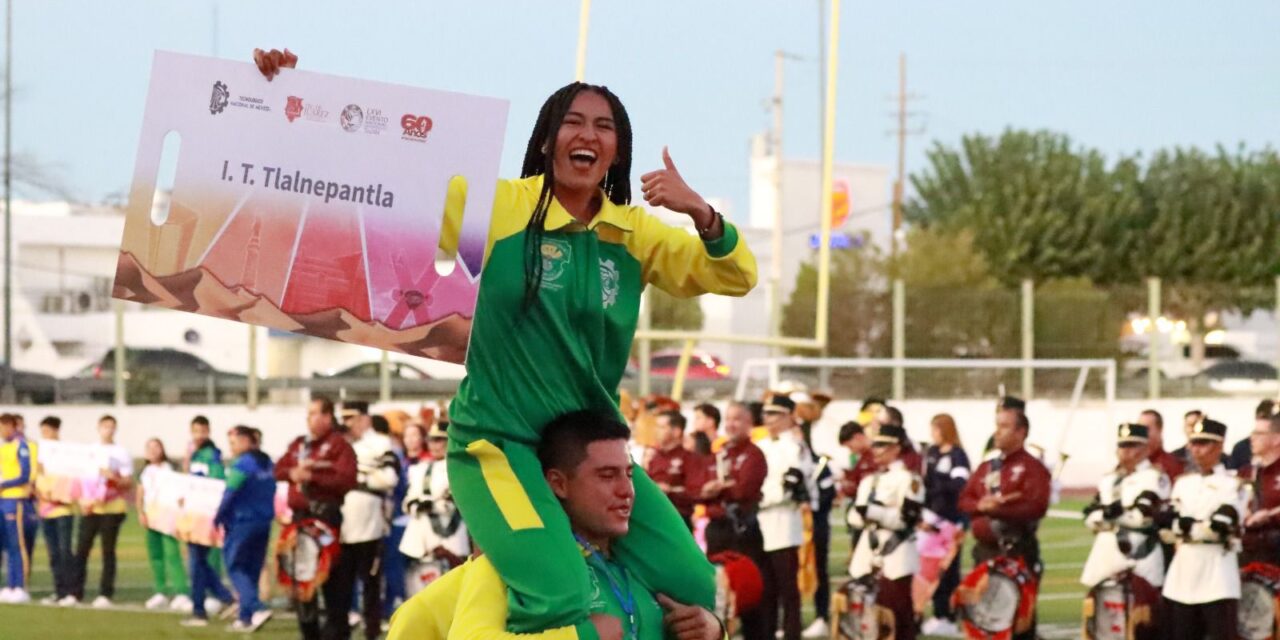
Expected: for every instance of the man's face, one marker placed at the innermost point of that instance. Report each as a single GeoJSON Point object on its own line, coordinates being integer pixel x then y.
{"type": "Point", "coordinates": [1206, 453]}
{"type": "Point", "coordinates": [8, 430]}
{"type": "Point", "coordinates": [107, 430]}
{"type": "Point", "coordinates": [199, 433]}
{"type": "Point", "coordinates": [668, 435]}
{"type": "Point", "coordinates": [1008, 437]}
{"type": "Point", "coordinates": [1189, 423]}
{"type": "Point", "coordinates": [777, 422]}
{"type": "Point", "coordinates": [1129, 455]}
{"type": "Point", "coordinates": [598, 495]}
{"type": "Point", "coordinates": [1262, 442]}
{"type": "Point", "coordinates": [882, 416]}
{"type": "Point", "coordinates": [884, 454]}
{"type": "Point", "coordinates": [318, 422]}
{"type": "Point", "coordinates": [48, 433]}
{"type": "Point", "coordinates": [858, 443]}
{"type": "Point", "coordinates": [737, 422]}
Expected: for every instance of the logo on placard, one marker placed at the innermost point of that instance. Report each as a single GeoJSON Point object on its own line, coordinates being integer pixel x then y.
{"type": "Point", "coordinates": [374, 121]}
{"type": "Point", "coordinates": [315, 112]}
{"type": "Point", "coordinates": [351, 118]}
{"type": "Point", "coordinates": [218, 100]}
{"type": "Point", "coordinates": [293, 109]}
{"type": "Point", "coordinates": [415, 127]}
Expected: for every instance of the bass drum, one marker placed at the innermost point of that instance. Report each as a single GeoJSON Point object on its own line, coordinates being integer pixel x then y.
{"type": "Point", "coordinates": [857, 616]}
{"type": "Point", "coordinates": [1122, 607]}
{"type": "Point", "coordinates": [1259, 609]}
{"type": "Point", "coordinates": [996, 600]}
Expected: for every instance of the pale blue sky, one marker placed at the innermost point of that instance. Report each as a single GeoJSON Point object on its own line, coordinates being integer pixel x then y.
{"type": "Point", "coordinates": [1122, 76]}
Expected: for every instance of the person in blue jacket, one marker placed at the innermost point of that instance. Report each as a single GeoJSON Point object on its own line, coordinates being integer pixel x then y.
{"type": "Point", "coordinates": [246, 513]}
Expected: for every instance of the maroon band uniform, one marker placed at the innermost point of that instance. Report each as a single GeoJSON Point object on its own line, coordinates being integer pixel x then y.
{"type": "Point", "coordinates": [1262, 541]}
{"type": "Point", "coordinates": [682, 472]}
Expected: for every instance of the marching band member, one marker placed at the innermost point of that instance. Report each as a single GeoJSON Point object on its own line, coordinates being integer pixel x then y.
{"type": "Point", "coordinates": [1262, 527]}
{"type": "Point", "coordinates": [1123, 513]}
{"type": "Point", "coordinates": [887, 510]}
{"type": "Point", "coordinates": [1007, 497]}
{"type": "Point", "coordinates": [435, 532]}
{"type": "Point", "coordinates": [1202, 588]}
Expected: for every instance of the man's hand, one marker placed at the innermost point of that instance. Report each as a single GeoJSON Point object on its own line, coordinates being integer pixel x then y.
{"type": "Point", "coordinates": [988, 503]}
{"type": "Point", "coordinates": [663, 487]}
{"type": "Point", "coordinates": [271, 62]}
{"type": "Point", "coordinates": [607, 627]}
{"type": "Point", "coordinates": [300, 474]}
{"type": "Point", "coordinates": [712, 488]}
{"type": "Point", "coordinates": [1259, 517]}
{"type": "Point", "coordinates": [666, 188]}
{"type": "Point", "coordinates": [689, 622]}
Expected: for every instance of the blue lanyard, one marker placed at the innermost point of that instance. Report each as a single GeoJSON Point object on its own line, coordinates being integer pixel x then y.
{"type": "Point", "coordinates": [627, 602]}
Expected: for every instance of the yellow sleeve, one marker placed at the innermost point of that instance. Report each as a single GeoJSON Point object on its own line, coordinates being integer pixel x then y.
{"type": "Point", "coordinates": [429, 613]}
{"type": "Point", "coordinates": [481, 609]}
{"type": "Point", "coordinates": [511, 211]}
{"type": "Point", "coordinates": [684, 266]}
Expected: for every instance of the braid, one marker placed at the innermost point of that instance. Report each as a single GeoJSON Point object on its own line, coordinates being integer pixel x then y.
{"type": "Point", "coordinates": [539, 159]}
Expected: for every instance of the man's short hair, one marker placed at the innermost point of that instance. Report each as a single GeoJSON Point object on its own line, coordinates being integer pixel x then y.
{"type": "Point", "coordinates": [1194, 412]}
{"type": "Point", "coordinates": [380, 424]}
{"type": "Point", "coordinates": [53, 422]}
{"type": "Point", "coordinates": [105, 417]}
{"type": "Point", "coordinates": [1265, 410]}
{"type": "Point", "coordinates": [709, 410]}
{"type": "Point", "coordinates": [326, 405]}
{"type": "Point", "coordinates": [565, 439]}
{"type": "Point", "coordinates": [200, 420]}
{"type": "Point", "coordinates": [849, 431]}
{"type": "Point", "coordinates": [1159, 418]}
{"type": "Point", "coordinates": [675, 419]}
{"type": "Point", "coordinates": [9, 419]}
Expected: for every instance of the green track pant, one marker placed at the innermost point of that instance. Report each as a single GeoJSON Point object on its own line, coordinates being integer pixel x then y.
{"type": "Point", "coordinates": [518, 523]}
{"type": "Point", "coordinates": [167, 570]}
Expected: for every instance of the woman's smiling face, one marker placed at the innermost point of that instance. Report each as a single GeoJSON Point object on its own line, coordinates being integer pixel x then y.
{"type": "Point", "coordinates": [586, 144]}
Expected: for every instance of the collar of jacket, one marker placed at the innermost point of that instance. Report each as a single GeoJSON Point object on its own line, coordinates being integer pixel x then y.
{"type": "Point", "coordinates": [558, 217]}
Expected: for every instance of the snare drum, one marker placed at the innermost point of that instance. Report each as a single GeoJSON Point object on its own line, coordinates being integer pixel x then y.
{"type": "Point", "coordinates": [856, 613]}
{"type": "Point", "coordinates": [1122, 607]}
{"type": "Point", "coordinates": [305, 553]}
{"type": "Point", "coordinates": [1259, 610]}
{"type": "Point", "coordinates": [996, 600]}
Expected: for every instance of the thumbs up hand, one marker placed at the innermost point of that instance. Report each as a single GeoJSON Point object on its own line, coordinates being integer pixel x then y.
{"type": "Point", "coordinates": [666, 188]}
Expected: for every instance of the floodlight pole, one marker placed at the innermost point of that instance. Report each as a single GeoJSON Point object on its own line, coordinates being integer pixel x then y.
{"type": "Point", "coordinates": [584, 24]}
{"type": "Point", "coordinates": [7, 392]}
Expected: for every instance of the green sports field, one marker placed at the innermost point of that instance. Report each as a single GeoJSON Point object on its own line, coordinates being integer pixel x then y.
{"type": "Point", "coordinates": [1065, 544]}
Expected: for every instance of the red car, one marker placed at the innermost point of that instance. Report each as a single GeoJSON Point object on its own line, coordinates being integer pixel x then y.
{"type": "Point", "coordinates": [702, 365]}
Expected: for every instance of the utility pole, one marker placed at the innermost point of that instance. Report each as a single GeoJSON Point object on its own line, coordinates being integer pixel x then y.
{"type": "Point", "coordinates": [775, 150]}
{"type": "Point", "coordinates": [899, 289]}
{"type": "Point", "coordinates": [899, 184]}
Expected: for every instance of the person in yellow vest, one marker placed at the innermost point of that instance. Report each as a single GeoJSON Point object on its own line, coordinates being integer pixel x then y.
{"type": "Point", "coordinates": [17, 471]}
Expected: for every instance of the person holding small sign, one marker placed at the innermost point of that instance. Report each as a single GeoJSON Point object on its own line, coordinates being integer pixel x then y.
{"type": "Point", "coordinates": [567, 260]}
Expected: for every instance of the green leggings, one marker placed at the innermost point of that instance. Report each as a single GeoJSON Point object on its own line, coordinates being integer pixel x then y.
{"type": "Point", "coordinates": [166, 564]}
{"type": "Point", "coordinates": [518, 523]}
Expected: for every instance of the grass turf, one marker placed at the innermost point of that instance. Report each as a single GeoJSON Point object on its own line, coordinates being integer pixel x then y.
{"type": "Point", "coordinates": [1064, 544]}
